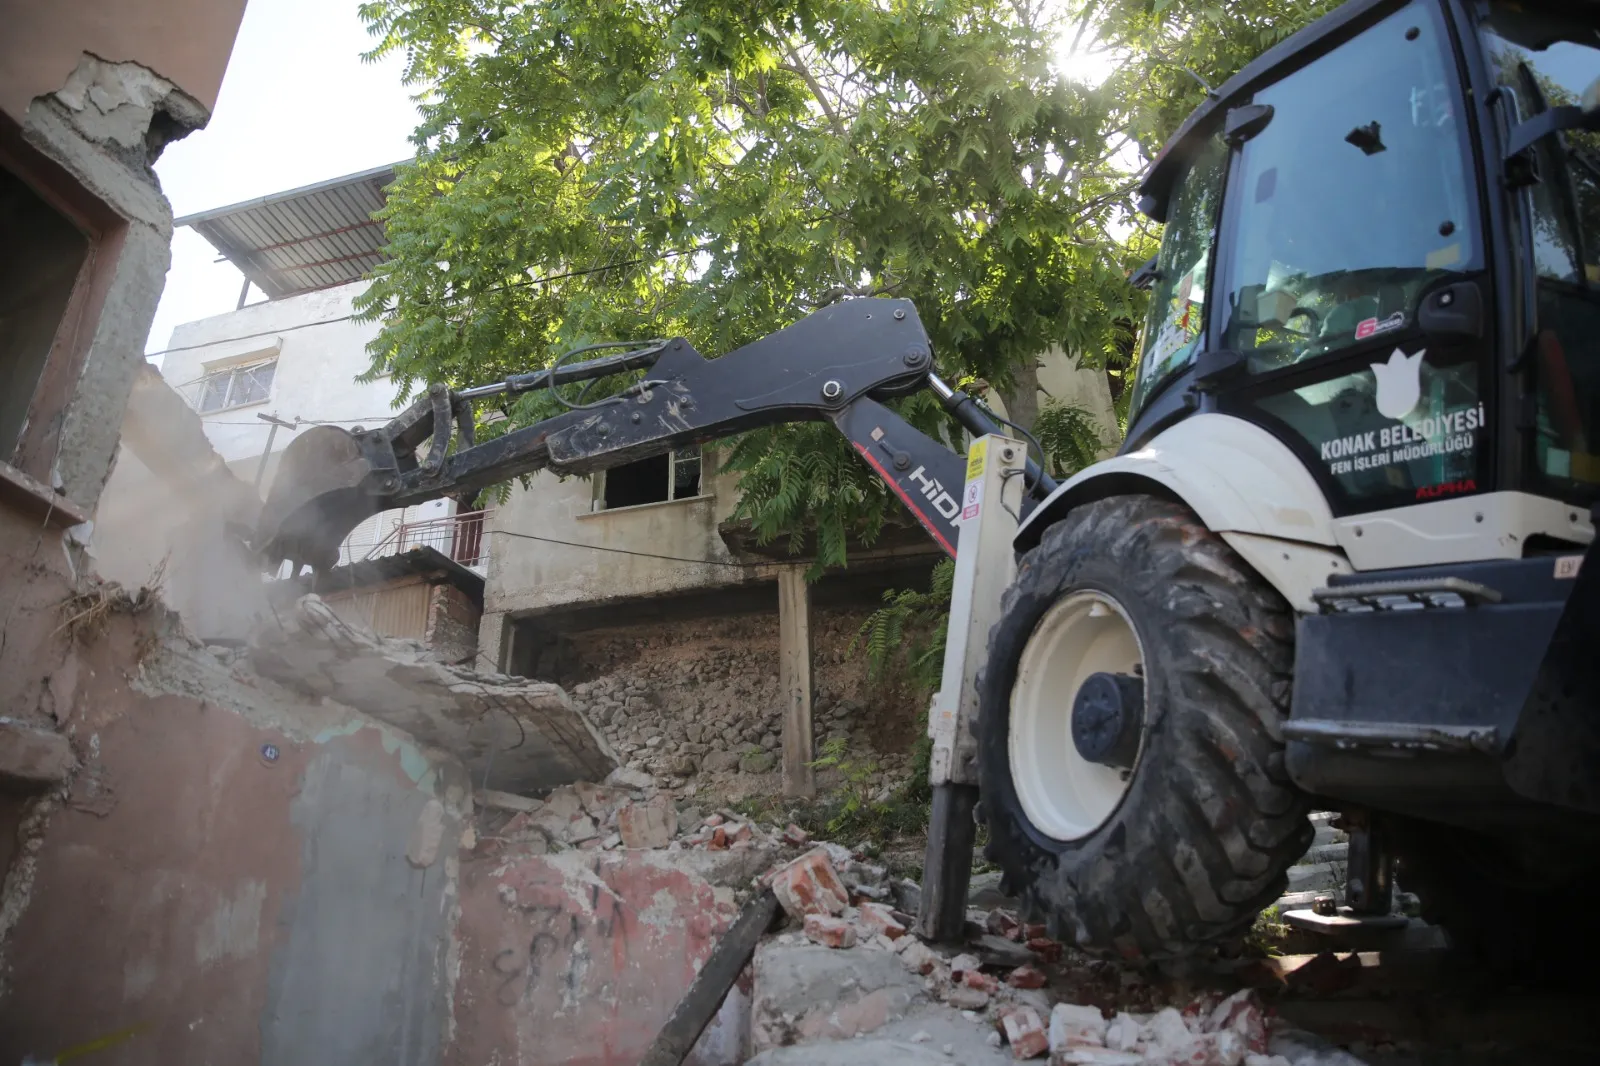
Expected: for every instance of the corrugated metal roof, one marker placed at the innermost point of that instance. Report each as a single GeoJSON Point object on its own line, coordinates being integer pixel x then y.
{"type": "Point", "coordinates": [304, 239]}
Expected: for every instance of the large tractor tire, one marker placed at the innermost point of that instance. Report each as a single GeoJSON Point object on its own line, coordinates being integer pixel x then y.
{"type": "Point", "coordinates": [1130, 745]}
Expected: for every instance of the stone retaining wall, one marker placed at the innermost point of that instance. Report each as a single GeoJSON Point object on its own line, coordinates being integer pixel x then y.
{"type": "Point", "coordinates": [696, 703]}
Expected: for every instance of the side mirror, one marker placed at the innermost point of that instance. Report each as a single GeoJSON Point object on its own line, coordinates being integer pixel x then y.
{"type": "Point", "coordinates": [1146, 276]}
{"type": "Point", "coordinates": [1586, 116]}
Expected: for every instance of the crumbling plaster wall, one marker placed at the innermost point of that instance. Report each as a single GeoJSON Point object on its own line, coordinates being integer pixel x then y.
{"type": "Point", "coordinates": [235, 874]}
{"type": "Point", "coordinates": [187, 41]}
{"type": "Point", "coordinates": [103, 127]}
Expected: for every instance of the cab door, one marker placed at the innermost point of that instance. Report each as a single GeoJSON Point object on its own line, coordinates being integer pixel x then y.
{"type": "Point", "coordinates": [1351, 299]}
{"type": "Point", "coordinates": [1534, 57]}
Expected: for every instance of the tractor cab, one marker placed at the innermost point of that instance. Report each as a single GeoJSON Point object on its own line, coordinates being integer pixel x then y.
{"type": "Point", "coordinates": [1382, 247]}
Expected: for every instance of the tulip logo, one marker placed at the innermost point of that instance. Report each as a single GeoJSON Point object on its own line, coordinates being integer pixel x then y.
{"type": "Point", "coordinates": [1399, 384]}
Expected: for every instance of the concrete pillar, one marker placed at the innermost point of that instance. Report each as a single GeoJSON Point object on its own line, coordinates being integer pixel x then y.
{"type": "Point", "coordinates": [794, 680]}
{"type": "Point", "coordinates": [491, 643]}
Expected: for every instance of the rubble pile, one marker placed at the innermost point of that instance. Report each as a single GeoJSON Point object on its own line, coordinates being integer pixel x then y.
{"type": "Point", "coordinates": [629, 811]}
{"type": "Point", "coordinates": [703, 707]}
{"type": "Point", "coordinates": [1010, 982]}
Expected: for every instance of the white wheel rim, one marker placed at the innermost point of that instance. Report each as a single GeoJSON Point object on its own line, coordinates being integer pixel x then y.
{"type": "Point", "coordinates": [1064, 795]}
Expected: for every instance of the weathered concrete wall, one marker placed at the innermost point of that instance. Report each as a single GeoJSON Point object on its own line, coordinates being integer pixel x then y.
{"type": "Point", "coordinates": [1061, 380]}
{"type": "Point", "coordinates": [185, 41]}
{"type": "Point", "coordinates": [526, 575]}
{"type": "Point", "coordinates": [577, 959]}
{"type": "Point", "coordinates": [235, 875]}
{"type": "Point", "coordinates": [87, 140]}
{"type": "Point", "coordinates": [452, 630]}
{"type": "Point", "coordinates": [316, 372]}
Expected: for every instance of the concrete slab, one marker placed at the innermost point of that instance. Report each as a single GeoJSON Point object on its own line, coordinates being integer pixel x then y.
{"type": "Point", "coordinates": [578, 958]}
{"type": "Point", "coordinates": [513, 734]}
{"type": "Point", "coordinates": [805, 993]}
{"type": "Point", "coordinates": [916, 1040]}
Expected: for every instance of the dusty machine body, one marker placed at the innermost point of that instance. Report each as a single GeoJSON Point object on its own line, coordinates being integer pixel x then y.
{"type": "Point", "coordinates": [1342, 559]}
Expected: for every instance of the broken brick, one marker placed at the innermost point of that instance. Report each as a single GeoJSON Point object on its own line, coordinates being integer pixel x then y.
{"type": "Point", "coordinates": [880, 920]}
{"type": "Point", "coordinates": [796, 837]}
{"type": "Point", "coordinates": [1072, 1025]}
{"type": "Point", "coordinates": [809, 885]}
{"type": "Point", "coordinates": [962, 963]}
{"type": "Point", "coordinates": [1048, 950]}
{"type": "Point", "coordinates": [918, 957]}
{"type": "Point", "coordinates": [1166, 1030]}
{"type": "Point", "coordinates": [963, 998]}
{"type": "Point", "coordinates": [719, 839]}
{"type": "Point", "coordinates": [647, 825]}
{"type": "Point", "coordinates": [829, 931]}
{"type": "Point", "coordinates": [1026, 977]}
{"type": "Point", "coordinates": [740, 833]}
{"type": "Point", "coordinates": [1025, 1032]}
{"type": "Point", "coordinates": [1123, 1033]}
{"type": "Point", "coordinates": [980, 980]}
{"type": "Point", "coordinates": [1241, 1014]}
{"type": "Point", "coordinates": [1002, 924]}
{"type": "Point", "coordinates": [1035, 931]}
{"type": "Point", "coordinates": [1326, 974]}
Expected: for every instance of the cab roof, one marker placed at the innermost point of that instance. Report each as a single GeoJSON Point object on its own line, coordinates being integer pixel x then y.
{"type": "Point", "coordinates": [1293, 51]}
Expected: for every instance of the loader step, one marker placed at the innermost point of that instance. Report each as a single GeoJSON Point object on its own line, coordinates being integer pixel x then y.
{"type": "Point", "coordinates": [1405, 595]}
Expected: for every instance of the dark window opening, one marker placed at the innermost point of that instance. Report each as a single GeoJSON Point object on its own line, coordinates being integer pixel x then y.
{"type": "Point", "coordinates": [44, 253]}
{"type": "Point", "coordinates": [673, 476]}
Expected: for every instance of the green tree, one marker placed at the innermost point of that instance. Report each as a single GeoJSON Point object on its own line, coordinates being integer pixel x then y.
{"type": "Point", "coordinates": [600, 169]}
{"type": "Point", "coordinates": [1172, 50]}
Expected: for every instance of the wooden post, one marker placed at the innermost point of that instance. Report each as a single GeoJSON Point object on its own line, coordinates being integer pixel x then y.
{"type": "Point", "coordinates": [794, 680]}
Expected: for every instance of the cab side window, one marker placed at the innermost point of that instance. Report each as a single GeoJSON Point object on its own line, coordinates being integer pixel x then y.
{"type": "Point", "coordinates": [1544, 63]}
{"type": "Point", "coordinates": [1175, 327]}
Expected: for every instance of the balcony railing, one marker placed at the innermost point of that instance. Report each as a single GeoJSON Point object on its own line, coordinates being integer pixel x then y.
{"type": "Point", "coordinates": [458, 536]}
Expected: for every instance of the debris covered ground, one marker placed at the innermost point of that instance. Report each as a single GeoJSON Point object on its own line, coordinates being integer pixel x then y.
{"type": "Point", "coordinates": [399, 860]}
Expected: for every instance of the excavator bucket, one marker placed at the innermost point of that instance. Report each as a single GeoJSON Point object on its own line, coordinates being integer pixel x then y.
{"type": "Point", "coordinates": [319, 495]}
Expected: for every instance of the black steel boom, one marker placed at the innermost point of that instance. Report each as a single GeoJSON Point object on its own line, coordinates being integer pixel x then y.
{"type": "Point", "coordinates": [837, 365]}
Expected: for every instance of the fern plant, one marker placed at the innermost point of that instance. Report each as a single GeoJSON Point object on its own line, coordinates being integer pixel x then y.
{"type": "Point", "coordinates": [1070, 437]}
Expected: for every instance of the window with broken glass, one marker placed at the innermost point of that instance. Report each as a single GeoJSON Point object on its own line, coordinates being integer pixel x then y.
{"type": "Point", "coordinates": [235, 386]}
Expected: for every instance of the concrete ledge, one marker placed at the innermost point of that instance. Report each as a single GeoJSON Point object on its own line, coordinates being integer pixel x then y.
{"type": "Point", "coordinates": [34, 758]}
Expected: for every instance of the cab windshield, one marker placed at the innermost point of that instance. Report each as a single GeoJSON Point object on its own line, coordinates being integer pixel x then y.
{"type": "Point", "coordinates": [1353, 200]}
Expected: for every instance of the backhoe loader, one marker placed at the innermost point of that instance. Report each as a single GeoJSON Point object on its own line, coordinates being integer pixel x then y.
{"type": "Point", "coordinates": [1342, 559]}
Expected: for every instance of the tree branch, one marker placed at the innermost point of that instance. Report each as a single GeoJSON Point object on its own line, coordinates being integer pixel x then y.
{"type": "Point", "coordinates": [794, 66]}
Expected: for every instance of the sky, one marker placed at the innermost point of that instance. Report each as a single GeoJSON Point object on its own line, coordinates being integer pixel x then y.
{"type": "Point", "coordinates": [297, 106]}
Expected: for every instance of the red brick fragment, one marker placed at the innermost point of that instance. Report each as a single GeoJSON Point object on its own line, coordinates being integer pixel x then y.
{"type": "Point", "coordinates": [1001, 923]}
{"type": "Point", "coordinates": [980, 980]}
{"type": "Point", "coordinates": [809, 885]}
{"type": "Point", "coordinates": [1025, 977]}
{"type": "Point", "coordinates": [879, 919]}
{"type": "Point", "coordinates": [1025, 1032]}
{"type": "Point", "coordinates": [796, 837]}
{"type": "Point", "coordinates": [1048, 950]}
{"type": "Point", "coordinates": [829, 931]}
